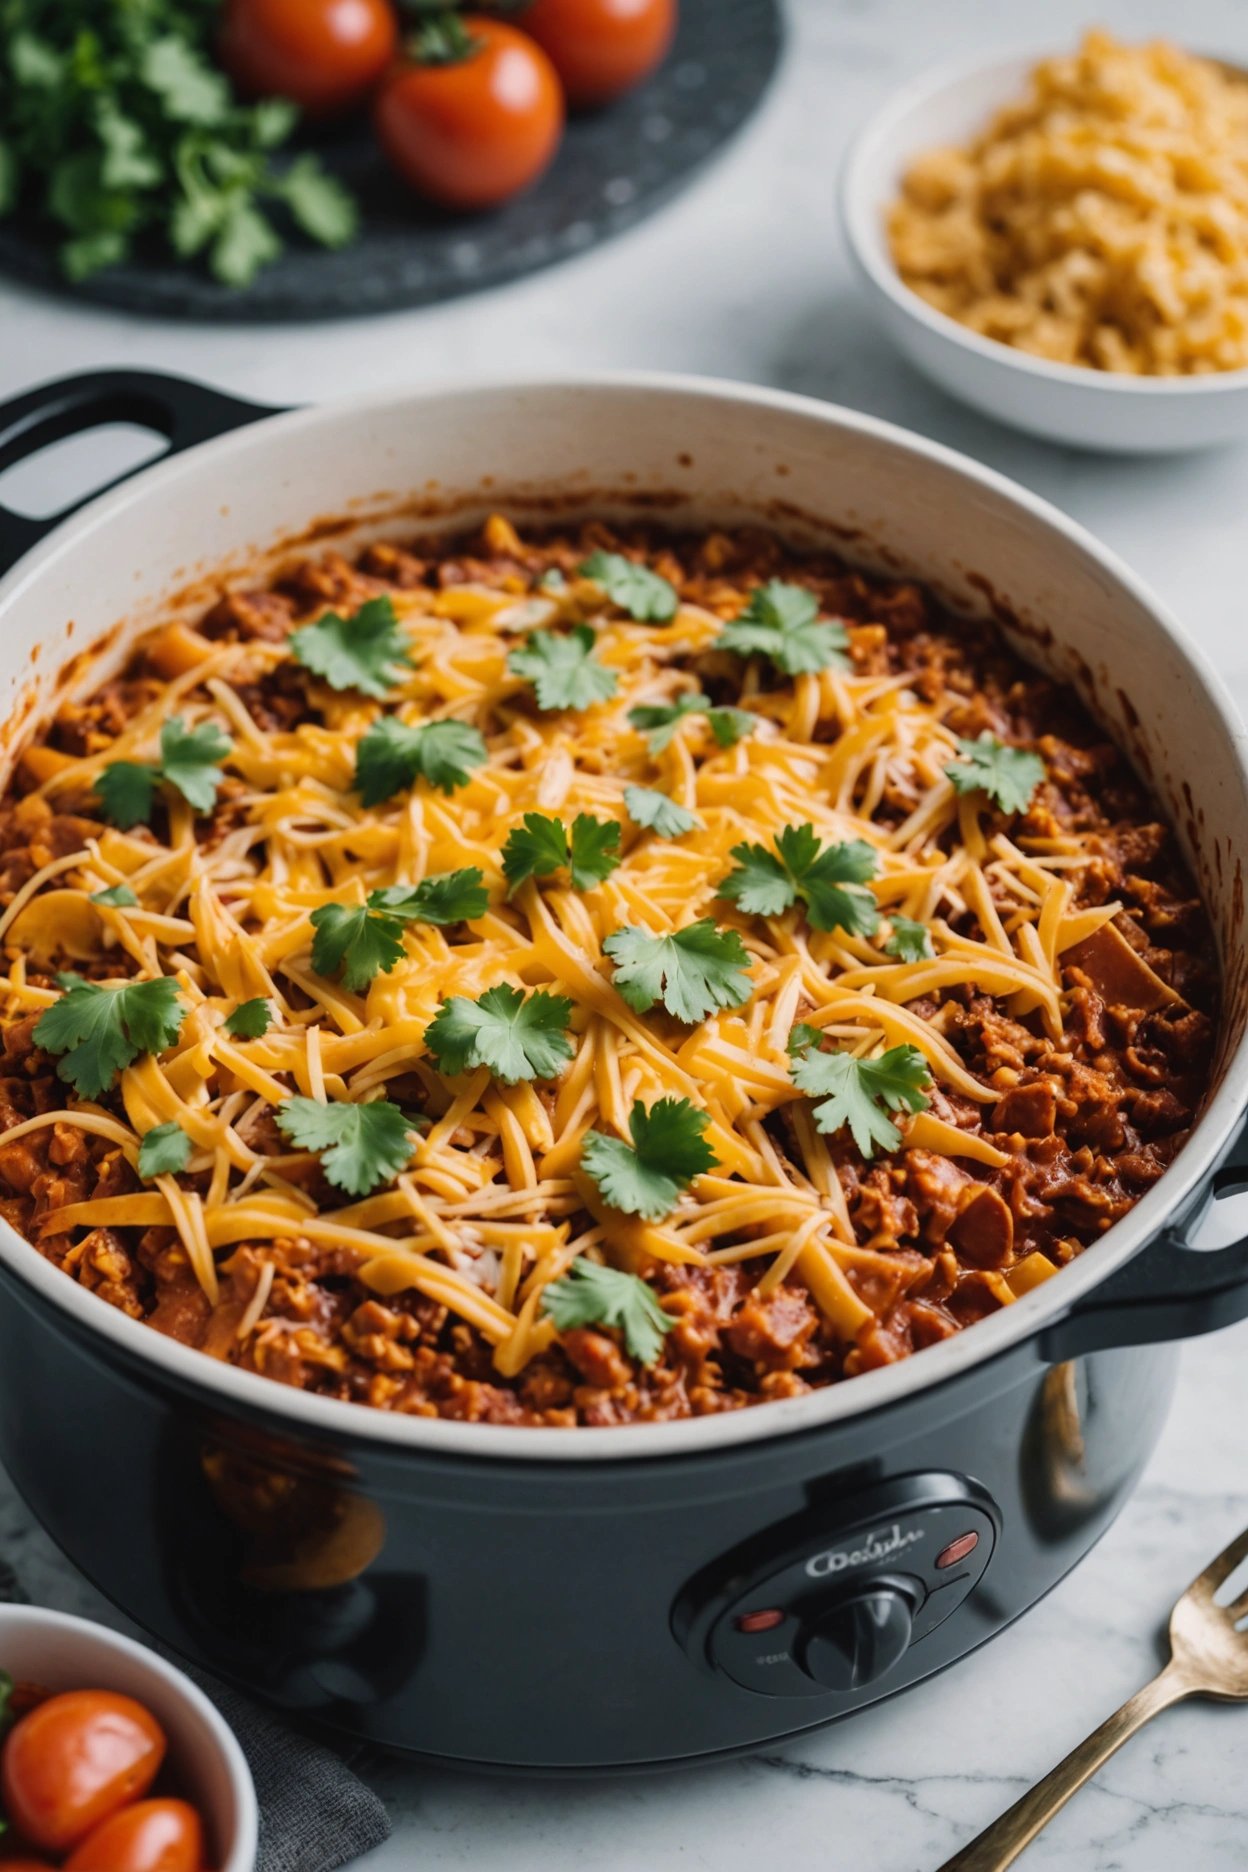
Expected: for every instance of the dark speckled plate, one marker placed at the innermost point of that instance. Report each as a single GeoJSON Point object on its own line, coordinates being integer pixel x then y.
{"type": "Point", "coordinates": [614, 167]}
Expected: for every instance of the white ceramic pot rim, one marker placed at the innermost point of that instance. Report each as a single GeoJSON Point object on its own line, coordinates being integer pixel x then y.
{"type": "Point", "coordinates": [873, 1390]}
{"type": "Point", "coordinates": [242, 1855]}
{"type": "Point", "coordinates": [858, 216]}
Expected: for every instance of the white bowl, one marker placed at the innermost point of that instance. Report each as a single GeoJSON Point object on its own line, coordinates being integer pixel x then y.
{"type": "Point", "coordinates": [64, 1653]}
{"type": "Point", "coordinates": [1062, 402]}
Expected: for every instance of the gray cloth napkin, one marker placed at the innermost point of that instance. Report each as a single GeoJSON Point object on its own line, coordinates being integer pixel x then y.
{"type": "Point", "coordinates": [315, 1815]}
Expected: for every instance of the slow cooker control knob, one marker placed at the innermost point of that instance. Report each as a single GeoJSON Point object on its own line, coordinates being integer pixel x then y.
{"type": "Point", "coordinates": [861, 1637]}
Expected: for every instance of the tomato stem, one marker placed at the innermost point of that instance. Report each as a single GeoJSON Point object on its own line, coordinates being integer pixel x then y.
{"type": "Point", "coordinates": [442, 39]}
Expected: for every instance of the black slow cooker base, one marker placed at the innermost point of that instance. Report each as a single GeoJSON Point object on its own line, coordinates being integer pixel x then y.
{"type": "Point", "coordinates": [535, 1617]}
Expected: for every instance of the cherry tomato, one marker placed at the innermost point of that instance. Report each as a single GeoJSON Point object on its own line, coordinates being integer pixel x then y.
{"type": "Point", "coordinates": [73, 1761]}
{"type": "Point", "coordinates": [476, 131]}
{"type": "Point", "coordinates": [151, 1836]}
{"type": "Point", "coordinates": [601, 48]}
{"type": "Point", "coordinates": [326, 55]}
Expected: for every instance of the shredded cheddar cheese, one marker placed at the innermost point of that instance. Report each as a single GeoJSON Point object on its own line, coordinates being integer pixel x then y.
{"type": "Point", "coordinates": [478, 1222]}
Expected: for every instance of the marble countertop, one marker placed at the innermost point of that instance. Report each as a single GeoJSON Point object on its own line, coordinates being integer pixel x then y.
{"type": "Point", "coordinates": [745, 276]}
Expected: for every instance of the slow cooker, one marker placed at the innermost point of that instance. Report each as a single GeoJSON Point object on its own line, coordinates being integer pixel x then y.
{"type": "Point", "coordinates": [611, 1598]}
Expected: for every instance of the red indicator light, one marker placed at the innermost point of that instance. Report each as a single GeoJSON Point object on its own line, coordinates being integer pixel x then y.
{"type": "Point", "coordinates": [760, 1621]}
{"type": "Point", "coordinates": [957, 1550]}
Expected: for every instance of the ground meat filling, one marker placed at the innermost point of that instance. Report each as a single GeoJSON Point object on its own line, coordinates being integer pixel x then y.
{"type": "Point", "coordinates": [1086, 1122]}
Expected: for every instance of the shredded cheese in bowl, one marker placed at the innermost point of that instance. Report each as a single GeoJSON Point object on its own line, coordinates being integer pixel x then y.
{"type": "Point", "coordinates": [1100, 220]}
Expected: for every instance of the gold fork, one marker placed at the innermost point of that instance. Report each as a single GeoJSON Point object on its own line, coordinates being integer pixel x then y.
{"type": "Point", "coordinates": [1208, 1657]}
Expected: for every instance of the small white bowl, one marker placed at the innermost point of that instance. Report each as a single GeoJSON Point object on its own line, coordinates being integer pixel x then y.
{"type": "Point", "coordinates": [1062, 402]}
{"type": "Point", "coordinates": [64, 1653]}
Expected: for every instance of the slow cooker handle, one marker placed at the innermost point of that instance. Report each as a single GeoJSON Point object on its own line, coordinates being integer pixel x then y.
{"type": "Point", "coordinates": [175, 407]}
{"type": "Point", "coordinates": [1169, 1291]}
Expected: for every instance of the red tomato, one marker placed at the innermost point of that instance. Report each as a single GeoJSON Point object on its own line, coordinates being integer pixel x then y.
{"type": "Point", "coordinates": [326, 55]}
{"type": "Point", "coordinates": [74, 1760]}
{"type": "Point", "coordinates": [601, 48]}
{"type": "Point", "coordinates": [151, 1836]}
{"type": "Point", "coordinates": [474, 132]}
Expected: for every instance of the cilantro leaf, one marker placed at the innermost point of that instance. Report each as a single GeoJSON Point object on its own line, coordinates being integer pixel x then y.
{"type": "Point", "coordinates": [595, 850]}
{"type": "Point", "coordinates": [361, 1145]}
{"type": "Point", "coordinates": [659, 814]}
{"type": "Point", "coordinates": [117, 897]}
{"type": "Point", "coordinates": [516, 1038]}
{"type": "Point", "coordinates": [188, 87]}
{"type": "Point", "coordinates": [909, 941]}
{"type": "Point", "coordinates": [368, 652]}
{"type": "Point", "coordinates": [1009, 775]}
{"type": "Point", "coordinates": [693, 971]}
{"type": "Point", "coordinates": [126, 790]}
{"type": "Point", "coordinates": [187, 761]}
{"type": "Point", "coordinates": [164, 1151]}
{"type": "Point", "coordinates": [590, 1295]}
{"type": "Point", "coordinates": [728, 725]}
{"type": "Point", "coordinates": [188, 757]}
{"type": "Point", "coordinates": [564, 671]}
{"type": "Point", "coordinates": [781, 622]}
{"type": "Point", "coordinates": [128, 163]}
{"type": "Point", "coordinates": [534, 849]}
{"type": "Point", "coordinates": [360, 942]}
{"type": "Point", "coordinates": [100, 1030]}
{"type": "Point", "coordinates": [318, 202]}
{"type": "Point", "coordinates": [447, 897]}
{"type": "Point", "coordinates": [365, 939]}
{"type": "Point", "coordinates": [831, 882]}
{"type": "Point", "coordinates": [250, 1019]}
{"type": "Point", "coordinates": [394, 755]}
{"type": "Point", "coordinates": [664, 718]}
{"type": "Point", "coordinates": [541, 846]}
{"type": "Point", "coordinates": [856, 1091]}
{"type": "Point", "coordinates": [634, 588]}
{"type": "Point", "coordinates": [668, 1150]}
{"type": "Point", "coordinates": [802, 1036]}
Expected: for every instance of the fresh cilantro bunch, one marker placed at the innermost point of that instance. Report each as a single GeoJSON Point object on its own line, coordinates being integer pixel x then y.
{"type": "Point", "coordinates": [99, 1030]}
{"type": "Point", "coordinates": [909, 941]}
{"type": "Point", "coordinates": [659, 814]}
{"type": "Point", "coordinates": [782, 622]}
{"type": "Point", "coordinates": [369, 651]}
{"type": "Point", "coordinates": [542, 845]}
{"type": "Point", "coordinates": [855, 1092]}
{"type": "Point", "coordinates": [668, 1150]}
{"type": "Point", "coordinates": [115, 123]}
{"type": "Point", "coordinates": [590, 1295]}
{"type": "Point", "coordinates": [188, 763]}
{"type": "Point", "coordinates": [394, 755]}
{"type": "Point", "coordinates": [830, 881]}
{"type": "Point", "coordinates": [517, 1038]}
{"type": "Point", "coordinates": [564, 671]}
{"type": "Point", "coordinates": [634, 588]}
{"type": "Point", "coordinates": [662, 719]}
{"type": "Point", "coordinates": [360, 1145]}
{"type": "Point", "coordinates": [364, 940]}
{"type": "Point", "coordinates": [693, 971]}
{"type": "Point", "coordinates": [164, 1151]}
{"type": "Point", "coordinates": [1009, 775]}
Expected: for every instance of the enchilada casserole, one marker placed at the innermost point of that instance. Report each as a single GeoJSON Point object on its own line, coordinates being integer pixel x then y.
{"type": "Point", "coordinates": [584, 977]}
